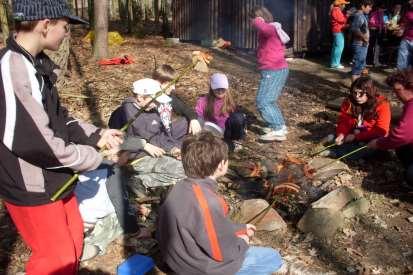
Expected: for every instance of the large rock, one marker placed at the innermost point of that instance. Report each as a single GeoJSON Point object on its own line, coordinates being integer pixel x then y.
{"type": "Point", "coordinates": [336, 200]}
{"type": "Point", "coordinates": [271, 221]}
{"type": "Point", "coordinates": [326, 168]}
{"type": "Point", "coordinates": [328, 214]}
{"type": "Point", "coordinates": [322, 222]}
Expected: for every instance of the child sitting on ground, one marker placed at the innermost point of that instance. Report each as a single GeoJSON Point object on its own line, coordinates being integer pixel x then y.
{"type": "Point", "coordinates": [364, 115]}
{"type": "Point", "coordinates": [162, 137]}
{"type": "Point", "coordinates": [194, 233]}
{"type": "Point", "coordinates": [164, 74]}
{"type": "Point", "coordinates": [218, 110]}
{"type": "Point", "coordinates": [104, 204]}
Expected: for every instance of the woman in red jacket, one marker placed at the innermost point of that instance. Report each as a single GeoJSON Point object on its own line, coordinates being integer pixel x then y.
{"type": "Point", "coordinates": [338, 22]}
{"type": "Point", "coordinates": [364, 115]}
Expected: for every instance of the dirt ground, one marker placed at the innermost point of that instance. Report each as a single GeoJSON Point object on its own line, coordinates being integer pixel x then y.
{"type": "Point", "coordinates": [380, 242]}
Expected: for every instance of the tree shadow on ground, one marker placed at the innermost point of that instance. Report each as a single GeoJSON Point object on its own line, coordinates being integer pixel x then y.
{"type": "Point", "coordinates": [92, 104]}
{"type": "Point", "coordinates": [74, 63]}
{"type": "Point", "coordinates": [323, 125]}
{"type": "Point", "coordinates": [386, 180]}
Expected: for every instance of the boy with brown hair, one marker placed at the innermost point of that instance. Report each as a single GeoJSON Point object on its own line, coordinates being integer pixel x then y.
{"type": "Point", "coordinates": [195, 235]}
{"type": "Point", "coordinates": [164, 74]}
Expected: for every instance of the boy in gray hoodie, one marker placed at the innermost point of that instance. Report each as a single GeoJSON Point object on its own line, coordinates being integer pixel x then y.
{"type": "Point", "coordinates": [157, 164]}
{"type": "Point", "coordinates": [194, 233]}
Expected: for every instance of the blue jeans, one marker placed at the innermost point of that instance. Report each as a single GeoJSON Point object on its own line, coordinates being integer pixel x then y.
{"type": "Point", "coordinates": [260, 261]}
{"type": "Point", "coordinates": [271, 86]}
{"type": "Point", "coordinates": [404, 57]}
{"type": "Point", "coordinates": [337, 49]}
{"type": "Point", "coordinates": [359, 59]}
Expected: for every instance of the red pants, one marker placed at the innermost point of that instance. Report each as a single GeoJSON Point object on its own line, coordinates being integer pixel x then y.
{"type": "Point", "coordinates": [54, 233]}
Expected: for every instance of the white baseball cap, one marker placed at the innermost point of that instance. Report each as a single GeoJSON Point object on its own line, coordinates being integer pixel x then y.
{"type": "Point", "coordinates": [150, 87]}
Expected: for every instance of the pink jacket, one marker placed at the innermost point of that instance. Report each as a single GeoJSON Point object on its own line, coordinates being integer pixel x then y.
{"type": "Point", "coordinates": [271, 51]}
{"type": "Point", "coordinates": [220, 118]}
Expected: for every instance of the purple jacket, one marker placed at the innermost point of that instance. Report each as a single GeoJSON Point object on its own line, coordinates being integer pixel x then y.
{"type": "Point", "coordinates": [271, 51]}
{"type": "Point", "coordinates": [149, 127]}
{"type": "Point", "coordinates": [194, 233]}
{"type": "Point", "coordinates": [402, 134]}
{"type": "Point", "coordinates": [219, 117]}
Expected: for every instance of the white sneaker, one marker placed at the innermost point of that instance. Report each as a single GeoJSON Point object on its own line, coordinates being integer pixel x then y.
{"type": "Point", "coordinates": [266, 130]}
{"type": "Point", "coordinates": [339, 67]}
{"type": "Point", "coordinates": [274, 135]}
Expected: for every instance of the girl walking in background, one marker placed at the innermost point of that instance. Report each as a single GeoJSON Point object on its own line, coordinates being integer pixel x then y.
{"type": "Point", "coordinates": [274, 73]}
{"type": "Point", "coordinates": [338, 23]}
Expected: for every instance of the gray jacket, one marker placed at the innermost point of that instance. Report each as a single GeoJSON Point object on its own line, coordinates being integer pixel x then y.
{"type": "Point", "coordinates": [149, 127]}
{"type": "Point", "coordinates": [190, 242]}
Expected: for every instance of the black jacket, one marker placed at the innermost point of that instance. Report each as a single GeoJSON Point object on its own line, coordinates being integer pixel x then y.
{"type": "Point", "coordinates": [40, 144]}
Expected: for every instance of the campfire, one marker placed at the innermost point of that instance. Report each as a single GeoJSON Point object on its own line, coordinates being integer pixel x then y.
{"type": "Point", "coordinates": [287, 181]}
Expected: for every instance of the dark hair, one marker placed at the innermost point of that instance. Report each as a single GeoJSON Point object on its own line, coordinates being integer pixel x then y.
{"type": "Point", "coordinates": [261, 11]}
{"type": "Point", "coordinates": [362, 3]}
{"type": "Point", "coordinates": [202, 153]}
{"type": "Point", "coordinates": [404, 78]}
{"type": "Point", "coordinates": [28, 26]}
{"type": "Point", "coordinates": [366, 85]}
{"type": "Point", "coordinates": [25, 26]}
{"type": "Point", "coordinates": [164, 73]}
{"type": "Point", "coordinates": [228, 106]}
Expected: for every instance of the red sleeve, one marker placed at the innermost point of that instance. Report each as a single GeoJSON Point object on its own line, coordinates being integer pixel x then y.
{"type": "Point", "coordinates": [338, 16]}
{"type": "Point", "coordinates": [382, 126]}
{"type": "Point", "coordinates": [345, 121]}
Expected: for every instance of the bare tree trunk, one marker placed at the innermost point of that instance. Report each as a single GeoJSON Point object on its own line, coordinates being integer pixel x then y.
{"type": "Point", "coordinates": [4, 20]}
{"type": "Point", "coordinates": [114, 10]}
{"type": "Point", "coordinates": [100, 43]}
{"type": "Point", "coordinates": [156, 11]}
{"type": "Point", "coordinates": [91, 10]}
{"type": "Point", "coordinates": [70, 4]}
{"type": "Point", "coordinates": [130, 15]}
{"type": "Point", "coordinates": [76, 8]}
{"type": "Point", "coordinates": [166, 27]}
{"type": "Point", "coordinates": [123, 11]}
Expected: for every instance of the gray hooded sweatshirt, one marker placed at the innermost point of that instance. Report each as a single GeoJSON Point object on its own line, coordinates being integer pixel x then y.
{"type": "Point", "coordinates": [149, 127]}
{"type": "Point", "coordinates": [194, 233]}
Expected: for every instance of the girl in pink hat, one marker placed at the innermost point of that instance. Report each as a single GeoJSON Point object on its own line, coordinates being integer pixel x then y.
{"type": "Point", "coordinates": [218, 111]}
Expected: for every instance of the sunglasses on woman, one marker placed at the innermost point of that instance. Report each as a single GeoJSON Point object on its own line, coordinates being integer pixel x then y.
{"type": "Point", "coordinates": [359, 93]}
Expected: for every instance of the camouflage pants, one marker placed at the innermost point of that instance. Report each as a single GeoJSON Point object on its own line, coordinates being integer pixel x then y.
{"type": "Point", "coordinates": [104, 232]}
{"type": "Point", "coordinates": [157, 172]}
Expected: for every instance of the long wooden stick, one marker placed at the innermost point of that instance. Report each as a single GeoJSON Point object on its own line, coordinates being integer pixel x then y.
{"type": "Point", "coordinates": [126, 126]}
{"type": "Point", "coordinates": [324, 149]}
{"type": "Point", "coordinates": [257, 218]}
{"type": "Point", "coordinates": [342, 157]}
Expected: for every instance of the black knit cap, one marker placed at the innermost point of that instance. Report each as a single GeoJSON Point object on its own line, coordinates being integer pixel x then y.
{"type": "Point", "coordinates": [31, 10]}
